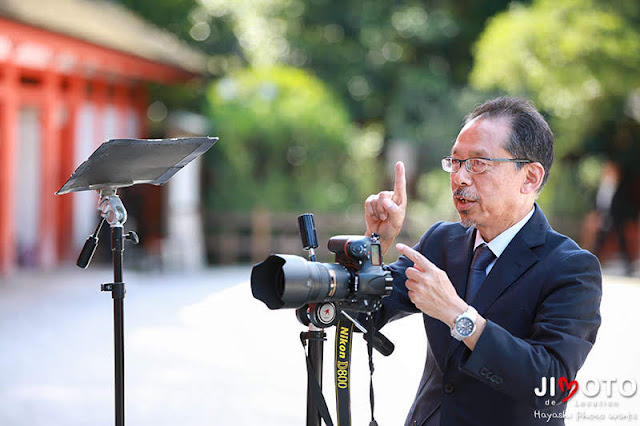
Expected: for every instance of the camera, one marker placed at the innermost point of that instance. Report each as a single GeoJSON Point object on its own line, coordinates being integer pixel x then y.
{"type": "Point", "coordinates": [356, 282]}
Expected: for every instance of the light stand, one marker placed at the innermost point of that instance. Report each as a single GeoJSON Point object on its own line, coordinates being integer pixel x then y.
{"type": "Point", "coordinates": [115, 214]}
{"type": "Point", "coordinates": [119, 163]}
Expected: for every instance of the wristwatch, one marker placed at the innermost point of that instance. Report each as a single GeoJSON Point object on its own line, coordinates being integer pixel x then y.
{"type": "Point", "coordinates": [465, 324]}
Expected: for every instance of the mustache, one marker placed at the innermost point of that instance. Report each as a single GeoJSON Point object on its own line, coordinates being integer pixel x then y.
{"type": "Point", "coordinates": [466, 194]}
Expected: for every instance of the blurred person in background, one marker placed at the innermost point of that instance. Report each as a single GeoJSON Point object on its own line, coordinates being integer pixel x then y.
{"type": "Point", "coordinates": [614, 203]}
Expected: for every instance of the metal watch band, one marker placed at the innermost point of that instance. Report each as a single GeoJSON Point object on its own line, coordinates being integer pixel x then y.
{"type": "Point", "coordinates": [472, 315]}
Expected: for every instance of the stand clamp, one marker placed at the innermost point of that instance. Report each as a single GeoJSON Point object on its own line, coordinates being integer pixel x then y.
{"type": "Point", "coordinates": [117, 289]}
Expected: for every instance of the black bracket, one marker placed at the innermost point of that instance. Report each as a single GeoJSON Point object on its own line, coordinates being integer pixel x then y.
{"type": "Point", "coordinates": [313, 335]}
{"type": "Point", "coordinates": [117, 289]}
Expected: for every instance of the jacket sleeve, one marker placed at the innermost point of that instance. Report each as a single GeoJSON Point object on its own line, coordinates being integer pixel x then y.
{"type": "Point", "coordinates": [563, 332]}
{"type": "Point", "coordinates": [398, 305]}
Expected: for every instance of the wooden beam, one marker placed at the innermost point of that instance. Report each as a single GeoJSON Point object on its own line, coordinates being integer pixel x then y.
{"type": "Point", "coordinates": [90, 59]}
{"type": "Point", "coordinates": [50, 148]}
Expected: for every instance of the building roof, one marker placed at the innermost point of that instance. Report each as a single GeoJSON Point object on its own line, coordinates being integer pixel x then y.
{"type": "Point", "coordinates": [109, 25]}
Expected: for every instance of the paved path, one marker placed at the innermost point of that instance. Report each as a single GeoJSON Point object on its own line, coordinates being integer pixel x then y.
{"type": "Point", "coordinates": [201, 351]}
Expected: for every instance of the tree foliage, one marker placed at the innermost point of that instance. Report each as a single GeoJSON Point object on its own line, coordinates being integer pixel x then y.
{"type": "Point", "coordinates": [403, 64]}
{"type": "Point", "coordinates": [578, 59]}
{"type": "Point", "coordinates": [286, 143]}
{"type": "Point", "coordinates": [399, 67]}
{"type": "Point", "coordinates": [399, 71]}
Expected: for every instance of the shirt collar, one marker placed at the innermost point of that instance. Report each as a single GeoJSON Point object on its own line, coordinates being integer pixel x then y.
{"type": "Point", "coordinates": [500, 243]}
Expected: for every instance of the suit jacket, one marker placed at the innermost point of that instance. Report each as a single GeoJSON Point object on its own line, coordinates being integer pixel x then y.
{"type": "Point", "coordinates": [541, 301]}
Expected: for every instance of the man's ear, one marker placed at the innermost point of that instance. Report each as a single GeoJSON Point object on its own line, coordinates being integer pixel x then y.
{"type": "Point", "coordinates": [533, 178]}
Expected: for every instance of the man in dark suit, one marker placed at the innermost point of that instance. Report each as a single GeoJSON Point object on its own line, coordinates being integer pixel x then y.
{"type": "Point", "coordinates": [507, 302]}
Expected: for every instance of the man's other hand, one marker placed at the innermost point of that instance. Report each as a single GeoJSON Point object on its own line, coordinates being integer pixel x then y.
{"type": "Point", "coordinates": [384, 212]}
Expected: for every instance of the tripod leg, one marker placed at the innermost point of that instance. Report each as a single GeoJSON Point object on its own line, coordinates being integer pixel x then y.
{"type": "Point", "coordinates": [315, 356]}
{"type": "Point", "coordinates": [316, 405]}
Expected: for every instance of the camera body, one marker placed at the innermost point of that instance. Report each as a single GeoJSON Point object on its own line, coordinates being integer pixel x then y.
{"type": "Point", "coordinates": [362, 256]}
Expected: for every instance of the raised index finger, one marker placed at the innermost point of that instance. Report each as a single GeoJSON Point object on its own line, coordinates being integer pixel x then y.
{"type": "Point", "coordinates": [400, 184]}
{"type": "Point", "coordinates": [418, 259]}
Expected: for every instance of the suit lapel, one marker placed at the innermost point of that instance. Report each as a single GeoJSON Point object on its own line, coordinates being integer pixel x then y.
{"type": "Point", "coordinates": [512, 264]}
{"type": "Point", "coordinates": [517, 258]}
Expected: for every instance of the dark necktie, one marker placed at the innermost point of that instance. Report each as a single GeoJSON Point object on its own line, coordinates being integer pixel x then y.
{"type": "Point", "coordinates": [482, 257]}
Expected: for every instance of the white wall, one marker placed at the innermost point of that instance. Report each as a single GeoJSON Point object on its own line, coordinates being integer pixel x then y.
{"type": "Point", "coordinates": [27, 201]}
{"type": "Point", "coordinates": [85, 213]}
{"type": "Point", "coordinates": [184, 245]}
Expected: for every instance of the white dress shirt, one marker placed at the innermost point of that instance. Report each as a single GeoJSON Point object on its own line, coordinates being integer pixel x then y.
{"type": "Point", "coordinates": [500, 243]}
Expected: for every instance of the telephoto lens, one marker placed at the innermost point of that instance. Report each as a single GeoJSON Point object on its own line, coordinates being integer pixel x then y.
{"type": "Point", "coordinates": [287, 281]}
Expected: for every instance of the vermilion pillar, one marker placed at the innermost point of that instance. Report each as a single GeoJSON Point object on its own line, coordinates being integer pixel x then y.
{"type": "Point", "coordinates": [49, 207]}
{"type": "Point", "coordinates": [9, 105]}
{"type": "Point", "coordinates": [75, 93]}
{"type": "Point", "coordinates": [141, 103]}
{"type": "Point", "coordinates": [121, 102]}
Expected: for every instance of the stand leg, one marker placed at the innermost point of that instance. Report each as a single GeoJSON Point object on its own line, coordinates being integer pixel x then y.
{"type": "Point", "coordinates": [118, 292]}
{"type": "Point", "coordinates": [119, 359]}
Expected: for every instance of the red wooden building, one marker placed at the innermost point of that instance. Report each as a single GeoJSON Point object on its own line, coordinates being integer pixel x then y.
{"type": "Point", "coordinates": [72, 74]}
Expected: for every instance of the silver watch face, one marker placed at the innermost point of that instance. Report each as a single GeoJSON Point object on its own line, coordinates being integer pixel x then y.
{"type": "Point", "coordinates": [464, 326]}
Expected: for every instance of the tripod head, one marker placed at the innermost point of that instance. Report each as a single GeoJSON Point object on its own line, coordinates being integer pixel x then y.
{"type": "Point", "coordinates": [111, 206]}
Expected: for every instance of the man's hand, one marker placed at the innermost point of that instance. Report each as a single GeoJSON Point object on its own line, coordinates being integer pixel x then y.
{"type": "Point", "coordinates": [432, 292]}
{"type": "Point", "coordinates": [430, 288]}
{"type": "Point", "coordinates": [384, 212]}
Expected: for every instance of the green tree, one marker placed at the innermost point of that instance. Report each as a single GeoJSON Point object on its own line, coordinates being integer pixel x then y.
{"type": "Point", "coordinates": [194, 24]}
{"type": "Point", "coordinates": [286, 144]}
{"type": "Point", "coordinates": [401, 64]}
{"type": "Point", "coordinates": [578, 59]}
{"type": "Point", "coordinates": [399, 67]}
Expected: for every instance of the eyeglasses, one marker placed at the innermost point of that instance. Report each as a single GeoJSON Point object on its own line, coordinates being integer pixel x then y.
{"type": "Point", "coordinates": [475, 165]}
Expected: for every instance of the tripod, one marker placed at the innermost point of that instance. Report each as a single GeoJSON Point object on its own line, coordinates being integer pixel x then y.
{"type": "Point", "coordinates": [319, 316]}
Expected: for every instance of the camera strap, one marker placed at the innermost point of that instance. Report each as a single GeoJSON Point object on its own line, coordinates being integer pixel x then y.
{"type": "Point", "coordinates": [369, 336]}
{"type": "Point", "coordinates": [344, 334]}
